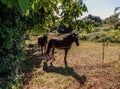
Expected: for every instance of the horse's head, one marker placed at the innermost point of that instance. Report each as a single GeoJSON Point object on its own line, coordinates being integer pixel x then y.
{"type": "Point", "coordinates": [75, 38]}
{"type": "Point", "coordinates": [45, 37]}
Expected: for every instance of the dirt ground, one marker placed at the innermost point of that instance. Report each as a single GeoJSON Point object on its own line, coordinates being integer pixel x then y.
{"type": "Point", "coordinates": [84, 71]}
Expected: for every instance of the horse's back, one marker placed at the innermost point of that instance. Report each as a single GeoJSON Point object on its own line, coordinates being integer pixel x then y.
{"type": "Point", "coordinates": [57, 43]}
{"type": "Point", "coordinates": [42, 40]}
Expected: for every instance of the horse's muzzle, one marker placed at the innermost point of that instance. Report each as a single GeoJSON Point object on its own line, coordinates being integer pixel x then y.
{"type": "Point", "coordinates": [77, 43]}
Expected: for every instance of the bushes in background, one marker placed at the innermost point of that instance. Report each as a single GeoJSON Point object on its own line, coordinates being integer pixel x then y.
{"type": "Point", "coordinates": [102, 36]}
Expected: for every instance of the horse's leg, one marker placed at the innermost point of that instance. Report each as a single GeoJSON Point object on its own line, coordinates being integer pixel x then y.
{"type": "Point", "coordinates": [53, 51]}
{"type": "Point", "coordinates": [48, 48]}
{"type": "Point", "coordinates": [53, 56]}
{"type": "Point", "coordinates": [38, 47]}
{"type": "Point", "coordinates": [48, 52]}
{"type": "Point", "coordinates": [65, 61]}
{"type": "Point", "coordinates": [42, 50]}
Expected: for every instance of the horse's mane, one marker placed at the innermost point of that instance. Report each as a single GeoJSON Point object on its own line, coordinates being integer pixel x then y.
{"type": "Point", "coordinates": [68, 36]}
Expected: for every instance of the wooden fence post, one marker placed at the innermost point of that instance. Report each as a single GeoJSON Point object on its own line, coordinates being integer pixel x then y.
{"type": "Point", "coordinates": [103, 53]}
{"type": "Point", "coordinates": [119, 56]}
{"type": "Point", "coordinates": [119, 53]}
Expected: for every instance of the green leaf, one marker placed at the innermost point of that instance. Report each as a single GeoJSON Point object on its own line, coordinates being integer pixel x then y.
{"type": "Point", "coordinates": [84, 8]}
{"type": "Point", "coordinates": [24, 6]}
{"type": "Point", "coordinates": [36, 5]}
{"type": "Point", "coordinates": [9, 3]}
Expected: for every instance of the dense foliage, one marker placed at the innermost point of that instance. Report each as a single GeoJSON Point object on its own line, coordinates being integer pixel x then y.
{"type": "Point", "coordinates": [107, 30]}
{"type": "Point", "coordinates": [16, 16]}
{"type": "Point", "coordinates": [11, 45]}
{"type": "Point", "coordinates": [95, 20]}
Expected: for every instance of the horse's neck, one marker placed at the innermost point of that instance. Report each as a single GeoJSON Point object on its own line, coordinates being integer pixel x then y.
{"type": "Point", "coordinates": [68, 41]}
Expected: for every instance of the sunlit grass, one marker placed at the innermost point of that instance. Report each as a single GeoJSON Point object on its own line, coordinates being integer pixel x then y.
{"type": "Point", "coordinates": [85, 59]}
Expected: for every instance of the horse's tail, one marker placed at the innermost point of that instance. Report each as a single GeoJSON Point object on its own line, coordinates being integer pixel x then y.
{"type": "Point", "coordinates": [49, 47]}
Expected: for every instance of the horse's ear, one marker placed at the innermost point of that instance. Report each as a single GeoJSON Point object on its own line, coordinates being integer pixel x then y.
{"type": "Point", "coordinates": [73, 34]}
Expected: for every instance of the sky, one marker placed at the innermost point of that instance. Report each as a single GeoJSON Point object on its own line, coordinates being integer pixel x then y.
{"type": "Point", "coordinates": [101, 8]}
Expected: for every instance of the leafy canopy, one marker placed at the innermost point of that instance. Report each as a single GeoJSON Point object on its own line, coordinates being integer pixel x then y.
{"type": "Point", "coordinates": [46, 13]}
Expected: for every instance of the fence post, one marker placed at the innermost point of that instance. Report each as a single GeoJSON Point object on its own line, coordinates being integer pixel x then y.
{"type": "Point", "coordinates": [119, 53]}
{"type": "Point", "coordinates": [119, 56]}
{"type": "Point", "coordinates": [103, 53]}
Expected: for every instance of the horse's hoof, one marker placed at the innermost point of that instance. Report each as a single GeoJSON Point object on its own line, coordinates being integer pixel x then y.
{"type": "Point", "coordinates": [66, 67]}
{"type": "Point", "coordinates": [45, 66]}
{"type": "Point", "coordinates": [51, 64]}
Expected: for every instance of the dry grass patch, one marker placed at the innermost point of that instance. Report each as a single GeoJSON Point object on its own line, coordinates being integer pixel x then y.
{"type": "Point", "coordinates": [84, 72]}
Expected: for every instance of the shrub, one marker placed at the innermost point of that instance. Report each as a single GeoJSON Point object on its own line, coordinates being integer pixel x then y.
{"type": "Point", "coordinates": [11, 55]}
{"type": "Point", "coordinates": [99, 36]}
{"type": "Point", "coordinates": [102, 36]}
{"type": "Point", "coordinates": [115, 36]}
{"type": "Point", "coordinates": [83, 37]}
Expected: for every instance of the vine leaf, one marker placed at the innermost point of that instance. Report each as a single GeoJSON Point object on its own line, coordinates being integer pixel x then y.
{"type": "Point", "coordinates": [24, 6]}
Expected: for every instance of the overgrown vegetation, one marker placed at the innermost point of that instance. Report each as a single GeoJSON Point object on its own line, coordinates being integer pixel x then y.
{"type": "Point", "coordinates": [11, 47]}
{"type": "Point", "coordinates": [107, 30]}
{"type": "Point", "coordinates": [16, 16]}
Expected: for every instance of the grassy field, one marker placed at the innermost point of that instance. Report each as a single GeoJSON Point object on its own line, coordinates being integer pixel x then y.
{"type": "Point", "coordinates": [85, 69]}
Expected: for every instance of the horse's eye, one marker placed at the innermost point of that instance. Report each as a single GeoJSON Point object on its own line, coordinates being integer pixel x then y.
{"type": "Point", "coordinates": [76, 36]}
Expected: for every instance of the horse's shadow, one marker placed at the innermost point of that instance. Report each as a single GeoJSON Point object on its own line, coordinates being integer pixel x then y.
{"type": "Point", "coordinates": [28, 66]}
{"type": "Point", "coordinates": [67, 71]}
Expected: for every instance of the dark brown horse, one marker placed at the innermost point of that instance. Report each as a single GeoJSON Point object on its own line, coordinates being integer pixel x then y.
{"type": "Point", "coordinates": [42, 43]}
{"type": "Point", "coordinates": [64, 44]}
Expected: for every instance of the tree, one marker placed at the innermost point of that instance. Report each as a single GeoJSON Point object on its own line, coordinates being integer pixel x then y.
{"type": "Point", "coordinates": [16, 16]}
{"type": "Point", "coordinates": [112, 20]}
{"type": "Point", "coordinates": [95, 20]}
{"type": "Point", "coordinates": [117, 25]}
{"type": "Point", "coordinates": [116, 9]}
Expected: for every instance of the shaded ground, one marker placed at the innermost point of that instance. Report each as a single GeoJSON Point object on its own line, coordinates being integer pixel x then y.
{"type": "Point", "coordinates": [85, 70]}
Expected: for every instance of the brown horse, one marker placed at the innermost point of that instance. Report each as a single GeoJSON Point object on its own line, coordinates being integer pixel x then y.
{"type": "Point", "coordinates": [64, 44]}
{"type": "Point", "coordinates": [42, 43]}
